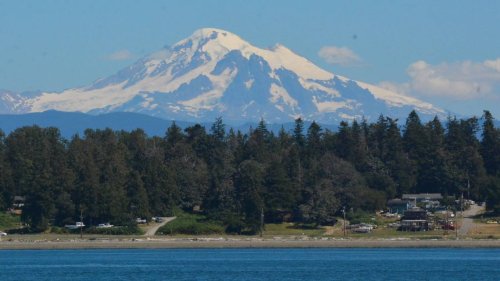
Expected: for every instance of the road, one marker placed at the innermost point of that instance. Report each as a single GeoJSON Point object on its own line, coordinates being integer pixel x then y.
{"type": "Point", "coordinates": [152, 230]}
{"type": "Point", "coordinates": [467, 221]}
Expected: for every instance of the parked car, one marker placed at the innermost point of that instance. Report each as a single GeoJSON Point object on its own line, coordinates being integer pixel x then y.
{"type": "Point", "coordinates": [448, 227]}
{"type": "Point", "coordinates": [3, 233]}
{"type": "Point", "coordinates": [394, 225]}
{"type": "Point", "coordinates": [140, 220]}
{"type": "Point", "coordinates": [105, 225]}
{"type": "Point", "coordinates": [362, 229]}
{"type": "Point", "coordinates": [77, 225]}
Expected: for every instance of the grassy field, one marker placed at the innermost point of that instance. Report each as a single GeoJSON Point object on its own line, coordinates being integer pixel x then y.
{"type": "Point", "coordinates": [188, 225]}
{"type": "Point", "coordinates": [483, 230]}
{"type": "Point", "coordinates": [8, 221]}
{"type": "Point", "coordinates": [191, 224]}
{"type": "Point", "coordinates": [287, 229]}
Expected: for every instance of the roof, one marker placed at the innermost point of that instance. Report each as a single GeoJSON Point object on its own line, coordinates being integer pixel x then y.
{"type": "Point", "coordinates": [430, 196]}
{"type": "Point", "coordinates": [19, 198]}
{"type": "Point", "coordinates": [397, 201]}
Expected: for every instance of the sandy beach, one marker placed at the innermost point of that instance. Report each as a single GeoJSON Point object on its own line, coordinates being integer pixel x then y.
{"type": "Point", "coordinates": [165, 243]}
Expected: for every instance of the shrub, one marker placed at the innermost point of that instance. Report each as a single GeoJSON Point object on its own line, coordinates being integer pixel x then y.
{"type": "Point", "coordinates": [24, 230]}
{"type": "Point", "coordinates": [115, 230]}
{"type": "Point", "coordinates": [8, 221]}
{"type": "Point", "coordinates": [359, 217]}
{"type": "Point", "coordinates": [58, 230]}
{"type": "Point", "coordinates": [234, 225]}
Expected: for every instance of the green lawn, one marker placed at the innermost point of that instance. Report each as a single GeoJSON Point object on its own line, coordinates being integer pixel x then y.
{"type": "Point", "coordinates": [281, 229]}
{"type": "Point", "coordinates": [191, 224]}
{"type": "Point", "coordinates": [8, 221]}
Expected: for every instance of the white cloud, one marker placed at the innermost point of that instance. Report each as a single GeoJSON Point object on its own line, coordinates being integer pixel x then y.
{"type": "Point", "coordinates": [494, 64]}
{"type": "Point", "coordinates": [465, 80]}
{"type": "Point", "coordinates": [120, 55]}
{"type": "Point", "coordinates": [338, 55]}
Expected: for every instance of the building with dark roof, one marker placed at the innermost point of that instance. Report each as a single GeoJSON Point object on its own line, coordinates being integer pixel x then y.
{"type": "Point", "coordinates": [398, 206]}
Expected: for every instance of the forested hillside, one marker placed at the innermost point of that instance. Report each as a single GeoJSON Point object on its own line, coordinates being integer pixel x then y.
{"type": "Point", "coordinates": [306, 175]}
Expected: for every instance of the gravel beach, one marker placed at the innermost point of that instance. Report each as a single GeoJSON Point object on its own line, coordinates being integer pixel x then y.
{"type": "Point", "coordinates": [161, 243]}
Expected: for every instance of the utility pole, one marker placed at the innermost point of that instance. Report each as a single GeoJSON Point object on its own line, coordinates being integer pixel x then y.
{"type": "Point", "coordinates": [81, 220]}
{"type": "Point", "coordinates": [261, 221]}
{"type": "Point", "coordinates": [446, 221]}
{"type": "Point", "coordinates": [343, 211]}
{"type": "Point", "coordinates": [468, 188]}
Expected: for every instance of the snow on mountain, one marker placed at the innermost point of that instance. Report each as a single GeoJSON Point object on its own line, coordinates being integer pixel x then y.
{"type": "Point", "coordinates": [216, 73]}
{"type": "Point", "coordinates": [12, 102]}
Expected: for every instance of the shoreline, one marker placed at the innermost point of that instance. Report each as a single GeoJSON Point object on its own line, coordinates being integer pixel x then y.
{"type": "Point", "coordinates": [221, 243]}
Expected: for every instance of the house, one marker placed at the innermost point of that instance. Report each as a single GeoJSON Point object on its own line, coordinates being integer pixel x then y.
{"type": "Point", "coordinates": [427, 200]}
{"type": "Point", "coordinates": [17, 205]}
{"type": "Point", "coordinates": [423, 196]}
{"type": "Point", "coordinates": [18, 202]}
{"type": "Point", "coordinates": [415, 219]}
{"type": "Point", "coordinates": [398, 206]}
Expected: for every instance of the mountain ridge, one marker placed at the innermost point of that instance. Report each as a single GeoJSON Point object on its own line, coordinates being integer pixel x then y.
{"type": "Point", "coordinates": [72, 123]}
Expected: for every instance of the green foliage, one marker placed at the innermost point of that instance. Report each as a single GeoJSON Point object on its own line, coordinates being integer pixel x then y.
{"type": "Point", "coordinates": [359, 217]}
{"type": "Point", "coordinates": [62, 230]}
{"type": "Point", "coordinates": [277, 229]}
{"type": "Point", "coordinates": [115, 230]}
{"type": "Point", "coordinates": [231, 178]}
{"type": "Point", "coordinates": [8, 221]}
{"type": "Point", "coordinates": [191, 225]}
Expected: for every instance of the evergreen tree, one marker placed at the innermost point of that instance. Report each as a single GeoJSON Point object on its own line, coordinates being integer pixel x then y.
{"type": "Point", "coordinates": [219, 202]}
{"type": "Point", "coordinates": [314, 141]}
{"type": "Point", "coordinates": [490, 145]}
{"type": "Point", "coordinates": [114, 177]}
{"type": "Point", "coordinates": [137, 196]}
{"type": "Point", "coordinates": [467, 169]}
{"type": "Point", "coordinates": [249, 185]}
{"type": "Point", "coordinates": [39, 171]}
{"type": "Point", "coordinates": [83, 164]}
{"type": "Point", "coordinates": [298, 133]}
{"type": "Point", "coordinates": [6, 186]}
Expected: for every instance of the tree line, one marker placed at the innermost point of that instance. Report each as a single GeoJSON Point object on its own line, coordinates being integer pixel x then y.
{"type": "Point", "coordinates": [306, 175]}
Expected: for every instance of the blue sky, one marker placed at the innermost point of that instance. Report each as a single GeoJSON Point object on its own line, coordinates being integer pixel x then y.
{"type": "Point", "coordinates": [445, 52]}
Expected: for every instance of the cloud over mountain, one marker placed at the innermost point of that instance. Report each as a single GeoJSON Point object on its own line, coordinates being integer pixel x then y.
{"type": "Point", "coordinates": [464, 80]}
{"type": "Point", "coordinates": [339, 55]}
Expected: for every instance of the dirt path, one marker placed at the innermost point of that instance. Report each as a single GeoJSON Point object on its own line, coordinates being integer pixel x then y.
{"type": "Point", "coordinates": [152, 230]}
{"type": "Point", "coordinates": [337, 229]}
{"type": "Point", "coordinates": [467, 221]}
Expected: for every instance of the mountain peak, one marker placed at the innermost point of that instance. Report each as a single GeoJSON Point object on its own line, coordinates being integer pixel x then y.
{"type": "Point", "coordinates": [215, 42]}
{"type": "Point", "coordinates": [208, 32]}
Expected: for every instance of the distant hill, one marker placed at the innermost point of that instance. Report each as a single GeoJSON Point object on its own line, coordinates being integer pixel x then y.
{"type": "Point", "coordinates": [71, 123]}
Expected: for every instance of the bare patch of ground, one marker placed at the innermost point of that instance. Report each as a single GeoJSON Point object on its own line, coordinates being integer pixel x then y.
{"type": "Point", "coordinates": [151, 229]}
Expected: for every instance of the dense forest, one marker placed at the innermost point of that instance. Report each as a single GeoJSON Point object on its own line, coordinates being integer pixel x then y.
{"type": "Point", "coordinates": [306, 175]}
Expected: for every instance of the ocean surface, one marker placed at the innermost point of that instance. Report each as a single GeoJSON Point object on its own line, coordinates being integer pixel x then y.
{"type": "Point", "coordinates": [251, 264]}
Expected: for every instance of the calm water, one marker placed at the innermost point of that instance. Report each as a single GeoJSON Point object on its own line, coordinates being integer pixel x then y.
{"type": "Point", "coordinates": [252, 264]}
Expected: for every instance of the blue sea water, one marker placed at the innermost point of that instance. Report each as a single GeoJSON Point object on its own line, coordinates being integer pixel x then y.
{"type": "Point", "coordinates": [251, 264]}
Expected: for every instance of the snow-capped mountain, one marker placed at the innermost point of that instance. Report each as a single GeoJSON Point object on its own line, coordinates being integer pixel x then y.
{"type": "Point", "coordinates": [216, 73]}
